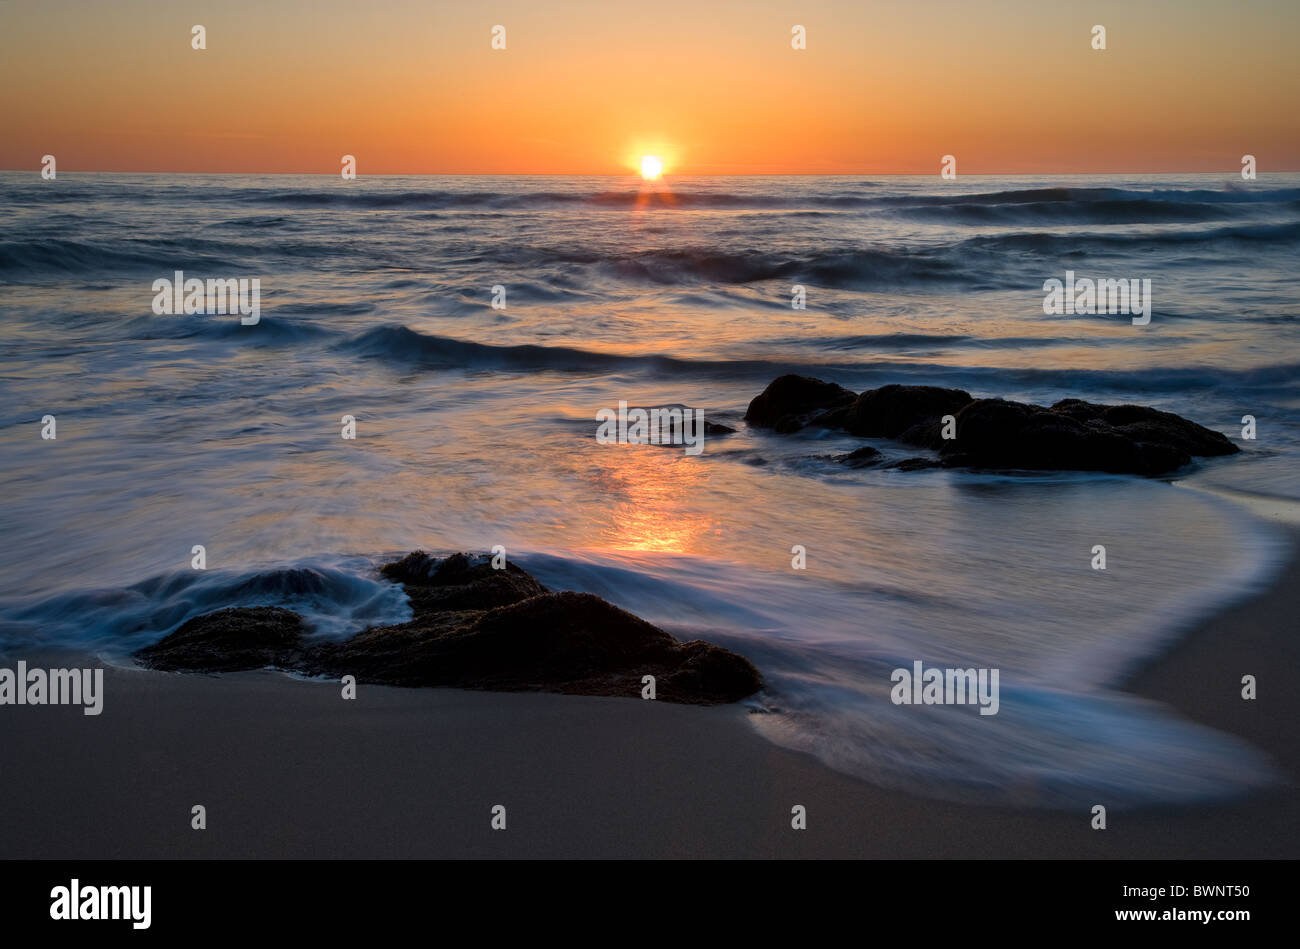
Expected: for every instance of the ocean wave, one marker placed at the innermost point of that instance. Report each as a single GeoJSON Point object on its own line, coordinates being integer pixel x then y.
{"type": "Point", "coordinates": [846, 268]}
{"type": "Point", "coordinates": [1117, 199]}
{"type": "Point", "coordinates": [59, 256]}
{"type": "Point", "coordinates": [399, 344]}
{"type": "Point", "coordinates": [1044, 243]}
{"type": "Point", "coordinates": [1281, 379]}
{"type": "Point", "coordinates": [843, 267]}
{"type": "Point", "coordinates": [267, 331]}
{"type": "Point", "coordinates": [439, 200]}
{"type": "Point", "coordinates": [1045, 748]}
{"type": "Point", "coordinates": [158, 257]}
{"type": "Point", "coordinates": [973, 263]}
{"type": "Point", "coordinates": [685, 194]}
{"type": "Point", "coordinates": [1228, 195]}
{"type": "Point", "coordinates": [552, 273]}
{"type": "Point", "coordinates": [336, 598]}
{"type": "Point", "coordinates": [404, 346]}
{"type": "Point", "coordinates": [1050, 745]}
{"type": "Point", "coordinates": [1107, 212]}
{"type": "Point", "coordinates": [903, 341]}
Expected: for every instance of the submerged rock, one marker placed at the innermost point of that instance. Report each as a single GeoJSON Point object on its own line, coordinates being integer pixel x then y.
{"type": "Point", "coordinates": [459, 582]}
{"type": "Point", "coordinates": [1071, 435]}
{"type": "Point", "coordinates": [672, 429]}
{"type": "Point", "coordinates": [476, 628]}
{"type": "Point", "coordinates": [232, 640]}
{"type": "Point", "coordinates": [864, 457]}
{"type": "Point", "coordinates": [554, 642]}
{"type": "Point", "coordinates": [914, 464]}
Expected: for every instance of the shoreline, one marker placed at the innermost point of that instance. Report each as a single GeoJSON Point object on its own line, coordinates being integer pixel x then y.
{"type": "Point", "coordinates": [1194, 676]}
{"type": "Point", "coordinates": [286, 768]}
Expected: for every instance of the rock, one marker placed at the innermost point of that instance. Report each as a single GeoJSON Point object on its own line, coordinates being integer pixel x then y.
{"type": "Point", "coordinates": [711, 429]}
{"type": "Point", "coordinates": [792, 402]}
{"type": "Point", "coordinates": [670, 428]}
{"type": "Point", "coordinates": [927, 434]}
{"type": "Point", "coordinates": [475, 628]}
{"type": "Point", "coordinates": [230, 640]}
{"type": "Point", "coordinates": [914, 464]}
{"type": "Point", "coordinates": [555, 642]}
{"type": "Point", "coordinates": [994, 433]}
{"type": "Point", "coordinates": [891, 410]}
{"type": "Point", "coordinates": [1071, 435]}
{"type": "Point", "coordinates": [864, 457]}
{"type": "Point", "coordinates": [459, 582]}
{"type": "Point", "coordinates": [1151, 426]}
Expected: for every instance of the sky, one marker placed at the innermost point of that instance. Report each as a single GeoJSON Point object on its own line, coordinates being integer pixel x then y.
{"type": "Point", "coordinates": [290, 86]}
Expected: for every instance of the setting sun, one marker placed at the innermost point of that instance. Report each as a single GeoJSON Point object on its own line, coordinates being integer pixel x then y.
{"type": "Point", "coordinates": [651, 167]}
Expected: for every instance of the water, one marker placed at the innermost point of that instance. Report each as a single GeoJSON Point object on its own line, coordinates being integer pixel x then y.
{"type": "Point", "coordinates": [475, 428]}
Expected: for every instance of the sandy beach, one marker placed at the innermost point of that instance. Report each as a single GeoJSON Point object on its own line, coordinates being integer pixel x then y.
{"type": "Point", "coordinates": [286, 768]}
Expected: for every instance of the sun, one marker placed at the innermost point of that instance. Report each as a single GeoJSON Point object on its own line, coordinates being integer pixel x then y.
{"type": "Point", "coordinates": [651, 167]}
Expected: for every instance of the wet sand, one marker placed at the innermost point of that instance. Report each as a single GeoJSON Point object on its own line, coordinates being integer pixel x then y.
{"type": "Point", "coordinates": [287, 768]}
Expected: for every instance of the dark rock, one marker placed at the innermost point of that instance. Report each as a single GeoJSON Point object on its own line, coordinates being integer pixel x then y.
{"type": "Point", "coordinates": [476, 628]}
{"type": "Point", "coordinates": [891, 410]}
{"type": "Point", "coordinates": [459, 582]}
{"type": "Point", "coordinates": [669, 427]}
{"type": "Point", "coordinates": [792, 402]}
{"type": "Point", "coordinates": [700, 673]}
{"type": "Point", "coordinates": [1072, 435]}
{"type": "Point", "coordinates": [864, 457]}
{"type": "Point", "coordinates": [834, 417]}
{"type": "Point", "coordinates": [927, 434]}
{"type": "Point", "coordinates": [715, 429]}
{"type": "Point", "coordinates": [555, 642]}
{"type": "Point", "coordinates": [915, 464]}
{"type": "Point", "coordinates": [994, 433]}
{"type": "Point", "coordinates": [230, 640]}
{"type": "Point", "coordinates": [1151, 426]}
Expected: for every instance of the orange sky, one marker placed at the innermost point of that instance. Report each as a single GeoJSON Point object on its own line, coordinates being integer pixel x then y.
{"type": "Point", "coordinates": [587, 87]}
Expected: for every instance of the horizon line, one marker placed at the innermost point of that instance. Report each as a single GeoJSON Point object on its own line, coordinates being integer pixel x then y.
{"type": "Point", "coordinates": [632, 174]}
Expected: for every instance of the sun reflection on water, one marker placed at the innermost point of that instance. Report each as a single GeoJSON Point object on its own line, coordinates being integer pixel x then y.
{"type": "Point", "coordinates": [650, 490]}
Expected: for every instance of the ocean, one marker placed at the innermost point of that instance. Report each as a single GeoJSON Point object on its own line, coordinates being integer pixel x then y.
{"type": "Point", "coordinates": [475, 428]}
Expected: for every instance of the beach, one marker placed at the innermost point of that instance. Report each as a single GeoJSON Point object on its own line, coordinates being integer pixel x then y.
{"type": "Point", "coordinates": [286, 768]}
{"type": "Point", "coordinates": [427, 369]}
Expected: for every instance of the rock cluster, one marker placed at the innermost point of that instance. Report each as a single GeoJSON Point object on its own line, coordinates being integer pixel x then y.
{"type": "Point", "coordinates": [1070, 435]}
{"type": "Point", "coordinates": [474, 627]}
